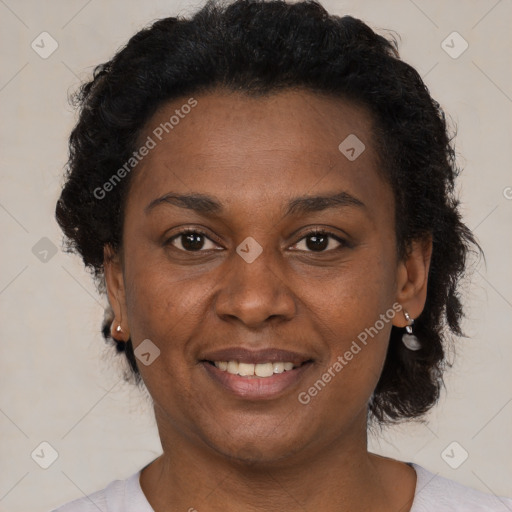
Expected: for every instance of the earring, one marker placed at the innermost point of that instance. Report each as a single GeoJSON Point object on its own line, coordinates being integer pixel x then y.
{"type": "Point", "coordinates": [118, 328]}
{"type": "Point", "coordinates": [408, 339]}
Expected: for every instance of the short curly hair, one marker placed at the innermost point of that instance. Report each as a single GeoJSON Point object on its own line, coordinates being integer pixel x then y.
{"type": "Point", "coordinates": [259, 47]}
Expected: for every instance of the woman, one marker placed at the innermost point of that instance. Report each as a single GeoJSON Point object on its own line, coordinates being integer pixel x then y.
{"type": "Point", "coordinates": [265, 193]}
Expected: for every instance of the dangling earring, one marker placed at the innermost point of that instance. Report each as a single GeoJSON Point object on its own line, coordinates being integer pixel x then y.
{"type": "Point", "coordinates": [408, 339]}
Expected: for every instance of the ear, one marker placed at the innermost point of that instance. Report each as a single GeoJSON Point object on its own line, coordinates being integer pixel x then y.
{"type": "Point", "coordinates": [114, 281]}
{"type": "Point", "coordinates": [412, 279]}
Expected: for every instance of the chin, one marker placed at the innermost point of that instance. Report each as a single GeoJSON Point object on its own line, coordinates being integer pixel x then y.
{"type": "Point", "coordinates": [250, 448]}
{"type": "Point", "coordinates": [260, 456]}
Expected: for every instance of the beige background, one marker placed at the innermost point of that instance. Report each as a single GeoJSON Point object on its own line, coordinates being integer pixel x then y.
{"type": "Point", "coordinates": [60, 383]}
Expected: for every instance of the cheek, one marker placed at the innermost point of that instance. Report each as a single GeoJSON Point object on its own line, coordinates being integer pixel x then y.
{"type": "Point", "coordinates": [356, 293]}
{"type": "Point", "coordinates": [164, 309]}
{"type": "Point", "coordinates": [356, 340]}
{"type": "Point", "coordinates": [156, 294]}
{"type": "Point", "coordinates": [165, 312]}
{"type": "Point", "coordinates": [353, 314]}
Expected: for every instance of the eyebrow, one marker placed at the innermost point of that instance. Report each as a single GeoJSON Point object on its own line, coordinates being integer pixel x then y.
{"type": "Point", "coordinates": [204, 204]}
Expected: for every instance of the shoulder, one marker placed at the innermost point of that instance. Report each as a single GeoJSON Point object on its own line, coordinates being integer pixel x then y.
{"type": "Point", "coordinates": [439, 494]}
{"type": "Point", "coordinates": [118, 496]}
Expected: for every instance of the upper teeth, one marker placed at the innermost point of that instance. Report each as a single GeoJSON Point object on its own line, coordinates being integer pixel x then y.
{"type": "Point", "coordinates": [247, 369]}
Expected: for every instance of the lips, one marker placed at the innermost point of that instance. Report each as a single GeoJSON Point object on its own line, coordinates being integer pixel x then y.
{"type": "Point", "coordinates": [285, 371]}
{"type": "Point", "coordinates": [243, 355]}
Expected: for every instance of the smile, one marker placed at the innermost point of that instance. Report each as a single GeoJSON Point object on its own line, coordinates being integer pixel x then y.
{"type": "Point", "coordinates": [261, 381]}
{"type": "Point", "coordinates": [262, 370]}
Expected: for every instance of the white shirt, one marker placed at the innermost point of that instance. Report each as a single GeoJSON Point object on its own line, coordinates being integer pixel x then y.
{"type": "Point", "coordinates": [433, 494]}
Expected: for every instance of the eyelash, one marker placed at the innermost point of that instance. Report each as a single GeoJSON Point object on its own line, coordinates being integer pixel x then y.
{"type": "Point", "coordinates": [343, 243]}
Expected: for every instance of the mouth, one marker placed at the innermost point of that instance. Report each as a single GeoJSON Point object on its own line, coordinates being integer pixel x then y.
{"type": "Point", "coordinates": [260, 375]}
{"type": "Point", "coordinates": [261, 370]}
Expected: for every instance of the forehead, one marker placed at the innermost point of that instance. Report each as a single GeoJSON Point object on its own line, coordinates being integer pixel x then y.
{"type": "Point", "coordinates": [257, 148]}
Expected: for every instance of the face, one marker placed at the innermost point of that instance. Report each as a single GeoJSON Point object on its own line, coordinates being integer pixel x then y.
{"type": "Point", "coordinates": [254, 270]}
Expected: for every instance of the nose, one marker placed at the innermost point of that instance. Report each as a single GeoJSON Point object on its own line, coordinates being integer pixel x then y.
{"type": "Point", "coordinates": [254, 293]}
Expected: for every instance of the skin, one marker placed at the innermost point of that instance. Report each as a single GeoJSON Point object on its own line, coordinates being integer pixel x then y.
{"type": "Point", "coordinates": [254, 155]}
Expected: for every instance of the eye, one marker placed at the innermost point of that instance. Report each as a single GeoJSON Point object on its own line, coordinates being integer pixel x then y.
{"type": "Point", "coordinates": [191, 240]}
{"type": "Point", "coordinates": [320, 241]}
{"type": "Point", "coordinates": [195, 240]}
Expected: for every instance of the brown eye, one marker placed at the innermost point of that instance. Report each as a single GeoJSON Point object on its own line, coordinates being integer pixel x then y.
{"type": "Point", "coordinates": [319, 241]}
{"type": "Point", "coordinates": [191, 241]}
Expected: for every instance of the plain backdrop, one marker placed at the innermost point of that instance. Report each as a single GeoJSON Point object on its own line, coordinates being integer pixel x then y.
{"type": "Point", "coordinates": [63, 386]}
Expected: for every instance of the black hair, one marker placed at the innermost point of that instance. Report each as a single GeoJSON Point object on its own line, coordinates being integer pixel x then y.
{"type": "Point", "coordinates": [258, 47]}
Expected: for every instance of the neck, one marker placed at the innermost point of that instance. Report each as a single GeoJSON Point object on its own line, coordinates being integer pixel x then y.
{"type": "Point", "coordinates": [341, 475]}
